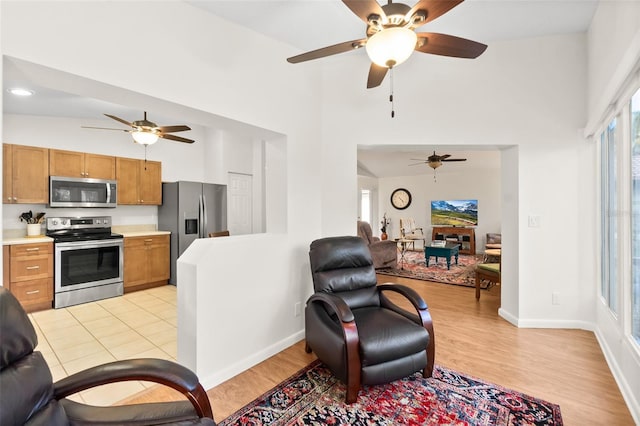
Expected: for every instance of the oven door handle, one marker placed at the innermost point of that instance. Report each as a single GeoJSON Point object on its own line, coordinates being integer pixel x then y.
{"type": "Point", "coordinates": [79, 245]}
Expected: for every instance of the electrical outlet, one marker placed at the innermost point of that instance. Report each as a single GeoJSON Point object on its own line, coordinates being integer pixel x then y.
{"type": "Point", "coordinates": [297, 309]}
{"type": "Point", "coordinates": [555, 298]}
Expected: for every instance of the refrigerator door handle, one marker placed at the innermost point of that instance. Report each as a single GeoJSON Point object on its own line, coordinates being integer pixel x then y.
{"type": "Point", "coordinates": [205, 226]}
{"type": "Point", "coordinates": [200, 217]}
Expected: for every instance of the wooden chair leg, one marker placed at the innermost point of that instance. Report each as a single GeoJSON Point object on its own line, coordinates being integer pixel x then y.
{"type": "Point", "coordinates": [477, 287]}
{"type": "Point", "coordinates": [352, 392]}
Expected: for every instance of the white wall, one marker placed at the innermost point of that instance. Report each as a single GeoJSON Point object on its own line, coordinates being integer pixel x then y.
{"type": "Point", "coordinates": [248, 81]}
{"type": "Point", "coordinates": [614, 60]}
{"type": "Point", "coordinates": [482, 185]}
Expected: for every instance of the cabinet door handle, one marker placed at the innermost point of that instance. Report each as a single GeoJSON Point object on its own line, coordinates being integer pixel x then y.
{"type": "Point", "coordinates": [33, 292]}
{"type": "Point", "coordinates": [29, 268]}
{"type": "Point", "coordinates": [148, 240]}
{"type": "Point", "coordinates": [33, 249]}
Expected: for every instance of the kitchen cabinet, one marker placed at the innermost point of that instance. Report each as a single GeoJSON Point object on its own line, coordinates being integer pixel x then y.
{"type": "Point", "coordinates": [25, 172]}
{"type": "Point", "coordinates": [139, 181]}
{"type": "Point", "coordinates": [146, 262]}
{"type": "Point", "coordinates": [81, 164]}
{"type": "Point", "coordinates": [28, 274]}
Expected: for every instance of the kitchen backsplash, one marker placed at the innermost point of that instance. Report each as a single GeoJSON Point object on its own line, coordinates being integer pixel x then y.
{"type": "Point", "coordinates": [127, 216]}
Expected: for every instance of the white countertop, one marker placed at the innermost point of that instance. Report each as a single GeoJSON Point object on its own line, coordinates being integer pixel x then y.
{"type": "Point", "coordinates": [11, 237]}
{"type": "Point", "coordinates": [26, 240]}
{"type": "Point", "coordinates": [143, 233]}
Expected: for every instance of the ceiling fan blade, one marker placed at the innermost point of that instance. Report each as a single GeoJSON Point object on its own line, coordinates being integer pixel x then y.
{"type": "Point", "coordinates": [328, 51]}
{"type": "Point", "coordinates": [434, 8]}
{"type": "Point", "coordinates": [175, 138]}
{"type": "Point", "coordinates": [105, 128]}
{"type": "Point", "coordinates": [442, 157]}
{"type": "Point", "coordinates": [448, 45]}
{"type": "Point", "coordinates": [415, 164]}
{"type": "Point", "coordinates": [173, 129]}
{"type": "Point", "coordinates": [120, 120]}
{"type": "Point", "coordinates": [364, 8]}
{"type": "Point", "coordinates": [376, 75]}
{"type": "Point", "coordinates": [456, 159]}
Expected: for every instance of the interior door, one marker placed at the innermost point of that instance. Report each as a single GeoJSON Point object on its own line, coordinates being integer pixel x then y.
{"type": "Point", "coordinates": [240, 204]}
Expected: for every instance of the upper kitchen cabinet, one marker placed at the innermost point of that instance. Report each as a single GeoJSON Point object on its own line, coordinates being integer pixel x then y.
{"type": "Point", "coordinates": [139, 181]}
{"type": "Point", "coordinates": [25, 172]}
{"type": "Point", "coordinates": [80, 164]}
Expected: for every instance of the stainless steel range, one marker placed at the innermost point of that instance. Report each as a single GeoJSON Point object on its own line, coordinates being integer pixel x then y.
{"type": "Point", "coordinates": [88, 261]}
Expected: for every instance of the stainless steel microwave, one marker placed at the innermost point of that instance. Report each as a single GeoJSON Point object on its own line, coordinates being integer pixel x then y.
{"type": "Point", "coordinates": [82, 192]}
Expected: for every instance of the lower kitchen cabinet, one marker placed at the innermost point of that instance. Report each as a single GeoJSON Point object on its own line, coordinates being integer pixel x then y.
{"type": "Point", "coordinates": [28, 274]}
{"type": "Point", "coordinates": [146, 262]}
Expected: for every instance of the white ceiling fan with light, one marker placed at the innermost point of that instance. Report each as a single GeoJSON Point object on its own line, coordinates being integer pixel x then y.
{"type": "Point", "coordinates": [391, 37]}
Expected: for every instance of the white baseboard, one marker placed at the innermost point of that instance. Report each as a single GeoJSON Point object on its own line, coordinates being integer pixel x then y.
{"type": "Point", "coordinates": [542, 323]}
{"type": "Point", "coordinates": [507, 316]}
{"type": "Point", "coordinates": [218, 377]}
{"type": "Point", "coordinates": [623, 385]}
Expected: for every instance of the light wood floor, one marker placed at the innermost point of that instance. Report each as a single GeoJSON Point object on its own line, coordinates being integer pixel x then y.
{"type": "Point", "coordinates": [565, 367]}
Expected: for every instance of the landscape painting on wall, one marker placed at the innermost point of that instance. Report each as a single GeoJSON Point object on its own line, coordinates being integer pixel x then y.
{"type": "Point", "coordinates": [454, 213]}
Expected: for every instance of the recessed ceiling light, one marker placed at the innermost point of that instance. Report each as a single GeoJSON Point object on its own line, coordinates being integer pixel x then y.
{"type": "Point", "coordinates": [19, 91]}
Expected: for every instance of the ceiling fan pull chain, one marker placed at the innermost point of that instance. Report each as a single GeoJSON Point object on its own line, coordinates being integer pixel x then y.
{"type": "Point", "coordinates": [145, 157]}
{"type": "Point", "coordinates": [393, 112]}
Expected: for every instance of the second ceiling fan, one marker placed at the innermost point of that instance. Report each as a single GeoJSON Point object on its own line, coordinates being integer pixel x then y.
{"type": "Point", "coordinates": [434, 161]}
{"type": "Point", "coordinates": [391, 37]}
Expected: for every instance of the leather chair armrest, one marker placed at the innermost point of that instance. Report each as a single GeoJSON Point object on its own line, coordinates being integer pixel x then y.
{"type": "Point", "coordinates": [409, 293]}
{"type": "Point", "coordinates": [161, 371]}
{"type": "Point", "coordinates": [336, 304]}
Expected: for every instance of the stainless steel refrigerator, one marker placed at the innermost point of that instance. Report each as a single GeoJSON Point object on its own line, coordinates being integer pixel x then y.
{"type": "Point", "coordinates": [191, 210]}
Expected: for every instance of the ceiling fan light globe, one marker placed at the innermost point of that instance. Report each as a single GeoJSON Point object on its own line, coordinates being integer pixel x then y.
{"type": "Point", "coordinates": [391, 46]}
{"type": "Point", "coordinates": [435, 164]}
{"type": "Point", "coordinates": [144, 138]}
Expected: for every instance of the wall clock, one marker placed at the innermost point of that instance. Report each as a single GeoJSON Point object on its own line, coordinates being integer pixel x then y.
{"type": "Point", "coordinates": [400, 198]}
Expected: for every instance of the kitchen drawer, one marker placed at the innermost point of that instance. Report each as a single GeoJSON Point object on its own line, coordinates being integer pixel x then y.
{"type": "Point", "coordinates": [32, 292]}
{"type": "Point", "coordinates": [146, 240]}
{"type": "Point", "coordinates": [31, 267]}
{"type": "Point", "coordinates": [31, 249]}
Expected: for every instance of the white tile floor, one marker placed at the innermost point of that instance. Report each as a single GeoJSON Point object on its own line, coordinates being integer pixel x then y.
{"type": "Point", "coordinates": [142, 324]}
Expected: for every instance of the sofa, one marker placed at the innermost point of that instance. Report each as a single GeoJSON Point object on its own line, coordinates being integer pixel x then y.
{"type": "Point", "coordinates": [384, 253]}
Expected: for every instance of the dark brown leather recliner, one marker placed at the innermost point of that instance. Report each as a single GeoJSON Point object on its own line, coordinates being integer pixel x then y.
{"type": "Point", "coordinates": [28, 395]}
{"type": "Point", "coordinates": [351, 325]}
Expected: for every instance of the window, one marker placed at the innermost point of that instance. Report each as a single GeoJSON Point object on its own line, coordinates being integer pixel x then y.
{"type": "Point", "coordinates": [635, 216]}
{"type": "Point", "coordinates": [365, 205]}
{"type": "Point", "coordinates": [609, 224]}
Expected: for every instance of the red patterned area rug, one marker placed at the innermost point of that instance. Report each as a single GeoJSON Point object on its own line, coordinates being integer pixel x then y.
{"type": "Point", "coordinates": [414, 266]}
{"type": "Point", "coordinates": [313, 396]}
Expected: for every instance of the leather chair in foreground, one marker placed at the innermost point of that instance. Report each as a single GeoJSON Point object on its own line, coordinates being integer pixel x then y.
{"type": "Point", "coordinates": [28, 396]}
{"type": "Point", "coordinates": [353, 327]}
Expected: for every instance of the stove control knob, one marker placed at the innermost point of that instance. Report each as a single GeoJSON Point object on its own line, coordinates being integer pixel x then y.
{"type": "Point", "coordinates": [54, 222]}
{"type": "Point", "coordinates": [64, 221]}
{"type": "Point", "coordinates": [98, 221]}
